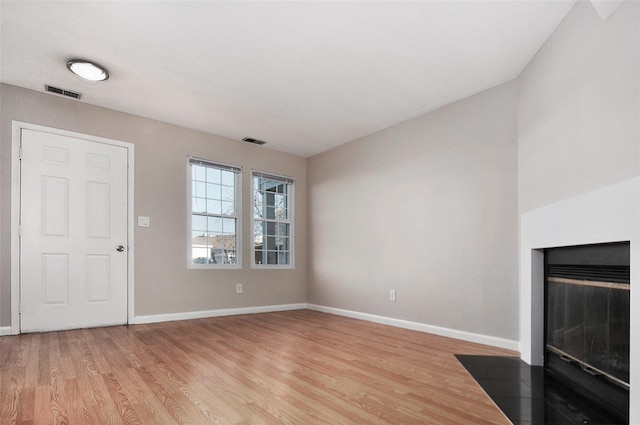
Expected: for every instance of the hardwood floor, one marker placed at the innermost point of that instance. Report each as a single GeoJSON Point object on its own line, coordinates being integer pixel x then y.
{"type": "Point", "coordinates": [296, 367]}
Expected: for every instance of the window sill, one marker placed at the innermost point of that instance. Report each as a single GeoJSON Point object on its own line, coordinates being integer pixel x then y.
{"type": "Point", "coordinates": [214, 267]}
{"type": "Point", "coordinates": [271, 267]}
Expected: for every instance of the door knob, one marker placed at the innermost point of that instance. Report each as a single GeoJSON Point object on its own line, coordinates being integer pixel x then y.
{"type": "Point", "coordinates": [120, 248]}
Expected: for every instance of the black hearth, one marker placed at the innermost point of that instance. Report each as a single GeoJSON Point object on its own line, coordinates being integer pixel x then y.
{"type": "Point", "coordinates": [587, 321]}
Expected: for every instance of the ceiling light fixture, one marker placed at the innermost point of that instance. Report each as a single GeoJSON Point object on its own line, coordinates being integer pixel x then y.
{"type": "Point", "coordinates": [87, 70]}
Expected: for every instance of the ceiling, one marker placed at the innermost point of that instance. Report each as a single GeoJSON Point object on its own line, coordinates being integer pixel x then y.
{"type": "Point", "coordinates": [303, 76]}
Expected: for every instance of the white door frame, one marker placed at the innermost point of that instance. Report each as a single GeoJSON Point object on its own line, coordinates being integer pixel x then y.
{"type": "Point", "coordinates": [17, 126]}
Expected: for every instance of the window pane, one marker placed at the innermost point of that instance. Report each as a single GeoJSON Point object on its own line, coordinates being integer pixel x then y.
{"type": "Point", "coordinates": [229, 242]}
{"type": "Point", "coordinates": [258, 234]}
{"type": "Point", "coordinates": [216, 257]}
{"type": "Point", "coordinates": [269, 242]}
{"type": "Point", "coordinates": [213, 175]}
{"type": "Point", "coordinates": [272, 257]}
{"type": "Point", "coordinates": [258, 205]}
{"type": "Point", "coordinates": [228, 193]}
{"type": "Point", "coordinates": [198, 205]}
{"type": "Point", "coordinates": [200, 191]}
{"type": "Point", "coordinates": [223, 241]}
{"type": "Point", "coordinates": [270, 213]}
{"type": "Point", "coordinates": [228, 178]}
{"type": "Point", "coordinates": [224, 256]}
{"type": "Point", "coordinates": [214, 191]}
{"type": "Point", "coordinates": [260, 257]}
{"type": "Point", "coordinates": [228, 208]}
{"type": "Point", "coordinates": [215, 224]}
{"type": "Point", "coordinates": [231, 255]}
{"type": "Point", "coordinates": [283, 244]}
{"type": "Point", "coordinates": [282, 229]}
{"type": "Point", "coordinates": [229, 225]}
{"type": "Point", "coordinates": [278, 243]}
{"type": "Point", "coordinates": [199, 248]}
{"type": "Point", "coordinates": [199, 222]}
{"type": "Point", "coordinates": [214, 207]}
{"type": "Point", "coordinates": [199, 173]}
{"type": "Point", "coordinates": [258, 227]}
{"type": "Point", "coordinates": [283, 258]}
{"type": "Point", "coordinates": [270, 199]}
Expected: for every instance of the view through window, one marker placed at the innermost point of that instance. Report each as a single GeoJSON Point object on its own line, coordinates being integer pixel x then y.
{"type": "Point", "coordinates": [214, 214]}
{"type": "Point", "coordinates": [272, 220]}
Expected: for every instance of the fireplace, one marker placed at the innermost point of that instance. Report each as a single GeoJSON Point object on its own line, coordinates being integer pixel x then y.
{"type": "Point", "coordinates": [587, 321]}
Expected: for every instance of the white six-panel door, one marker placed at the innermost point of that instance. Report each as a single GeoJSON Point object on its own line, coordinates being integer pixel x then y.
{"type": "Point", "coordinates": [73, 245]}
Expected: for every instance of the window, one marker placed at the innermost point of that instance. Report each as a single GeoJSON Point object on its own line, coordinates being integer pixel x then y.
{"type": "Point", "coordinates": [272, 220]}
{"type": "Point", "coordinates": [214, 215]}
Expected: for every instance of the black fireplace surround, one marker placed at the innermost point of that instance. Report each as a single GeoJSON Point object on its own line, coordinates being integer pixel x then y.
{"type": "Point", "coordinates": [587, 321]}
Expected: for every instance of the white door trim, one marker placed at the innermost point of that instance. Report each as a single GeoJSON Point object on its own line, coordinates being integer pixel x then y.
{"type": "Point", "coordinates": [17, 126]}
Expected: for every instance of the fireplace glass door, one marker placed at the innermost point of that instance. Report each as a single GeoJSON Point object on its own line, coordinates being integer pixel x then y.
{"type": "Point", "coordinates": [590, 325]}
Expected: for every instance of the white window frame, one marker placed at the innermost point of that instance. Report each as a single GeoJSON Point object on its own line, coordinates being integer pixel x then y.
{"type": "Point", "coordinates": [238, 213]}
{"type": "Point", "coordinates": [291, 220]}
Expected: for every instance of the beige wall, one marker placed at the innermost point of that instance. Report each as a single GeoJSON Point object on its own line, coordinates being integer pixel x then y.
{"type": "Point", "coordinates": [578, 127]}
{"type": "Point", "coordinates": [163, 284]}
{"type": "Point", "coordinates": [428, 208]}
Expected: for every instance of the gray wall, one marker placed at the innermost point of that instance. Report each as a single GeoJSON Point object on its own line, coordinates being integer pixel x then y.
{"type": "Point", "coordinates": [163, 284]}
{"type": "Point", "coordinates": [578, 119]}
{"type": "Point", "coordinates": [429, 208]}
{"type": "Point", "coordinates": [579, 157]}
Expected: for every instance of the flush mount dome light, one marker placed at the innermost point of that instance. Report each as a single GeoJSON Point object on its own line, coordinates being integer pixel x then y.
{"type": "Point", "coordinates": [87, 70]}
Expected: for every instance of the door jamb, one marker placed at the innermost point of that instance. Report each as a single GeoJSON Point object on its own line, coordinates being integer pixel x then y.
{"type": "Point", "coordinates": [17, 126]}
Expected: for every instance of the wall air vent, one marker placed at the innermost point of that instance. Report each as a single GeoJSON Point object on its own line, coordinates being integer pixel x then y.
{"type": "Point", "coordinates": [63, 92]}
{"type": "Point", "coordinates": [254, 141]}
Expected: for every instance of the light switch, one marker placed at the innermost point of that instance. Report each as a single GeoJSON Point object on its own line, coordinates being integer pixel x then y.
{"type": "Point", "coordinates": [144, 221]}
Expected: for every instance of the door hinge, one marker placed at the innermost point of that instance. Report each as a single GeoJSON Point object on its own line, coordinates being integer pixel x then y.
{"type": "Point", "coordinates": [19, 230]}
{"type": "Point", "coordinates": [20, 153]}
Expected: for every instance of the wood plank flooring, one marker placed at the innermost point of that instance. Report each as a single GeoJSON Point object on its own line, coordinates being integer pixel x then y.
{"type": "Point", "coordinates": [297, 367]}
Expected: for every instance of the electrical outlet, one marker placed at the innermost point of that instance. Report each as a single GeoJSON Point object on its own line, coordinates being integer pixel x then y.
{"type": "Point", "coordinates": [392, 295]}
{"type": "Point", "coordinates": [238, 288]}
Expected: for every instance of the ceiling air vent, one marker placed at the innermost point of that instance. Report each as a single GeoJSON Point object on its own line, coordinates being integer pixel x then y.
{"type": "Point", "coordinates": [63, 92]}
{"type": "Point", "coordinates": [254, 141]}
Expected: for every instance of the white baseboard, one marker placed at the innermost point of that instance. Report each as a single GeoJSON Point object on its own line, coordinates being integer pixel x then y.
{"type": "Point", "coordinates": [155, 318]}
{"type": "Point", "coordinates": [5, 330]}
{"type": "Point", "coordinates": [399, 323]}
{"type": "Point", "coordinates": [421, 327]}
